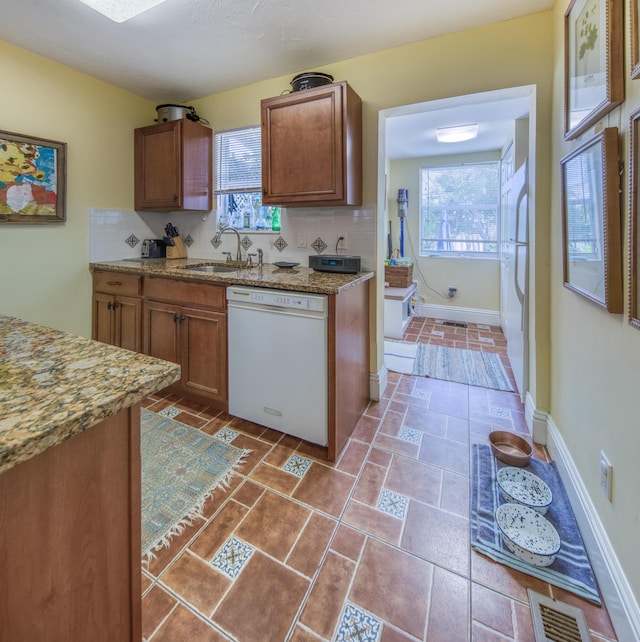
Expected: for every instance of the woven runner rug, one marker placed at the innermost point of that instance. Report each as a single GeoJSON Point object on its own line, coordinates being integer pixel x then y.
{"type": "Point", "coordinates": [400, 356]}
{"type": "Point", "coordinates": [571, 569]}
{"type": "Point", "coordinates": [475, 368]}
{"type": "Point", "coordinates": [181, 467]}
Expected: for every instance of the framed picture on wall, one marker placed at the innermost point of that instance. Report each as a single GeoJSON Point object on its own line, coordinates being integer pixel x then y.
{"type": "Point", "coordinates": [634, 221]}
{"type": "Point", "coordinates": [592, 245]}
{"type": "Point", "coordinates": [593, 62]}
{"type": "Point", "coordinates": [32, 179]}
{"type": "Point", "coordinates": [635, 40]}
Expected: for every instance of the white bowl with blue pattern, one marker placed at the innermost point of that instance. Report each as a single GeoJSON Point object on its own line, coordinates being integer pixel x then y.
{"type": "Point", "coordinates": [519, 486]}
{"type": "Point", "coordinates": [527, 534]}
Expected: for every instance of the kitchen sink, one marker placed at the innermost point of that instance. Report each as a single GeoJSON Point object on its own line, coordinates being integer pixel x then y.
{"type": "Point", "coordinates": [210, 269]}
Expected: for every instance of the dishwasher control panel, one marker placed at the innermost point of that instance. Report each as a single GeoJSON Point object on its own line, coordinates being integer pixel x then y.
{"type": "Point", "coordinates": [278, 298]}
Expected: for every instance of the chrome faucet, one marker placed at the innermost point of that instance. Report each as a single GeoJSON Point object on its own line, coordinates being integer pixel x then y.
{"type": "Point", "coordinates": [224, 229]}
{"type": "Point", "coordinates": [260, 256]}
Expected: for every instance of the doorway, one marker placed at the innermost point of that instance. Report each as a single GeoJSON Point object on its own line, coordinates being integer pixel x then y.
{"type": "Point", "coordinates": [409, 130]}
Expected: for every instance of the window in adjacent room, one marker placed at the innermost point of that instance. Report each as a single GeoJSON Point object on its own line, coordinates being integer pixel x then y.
{"type": "Point", "coordinates": [460, 209]}
{"type": "Point", "coordinates": [238, 181]}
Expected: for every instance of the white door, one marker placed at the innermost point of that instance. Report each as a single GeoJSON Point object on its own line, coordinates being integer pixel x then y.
{"type": "Point", "coordinates": [514, 266]}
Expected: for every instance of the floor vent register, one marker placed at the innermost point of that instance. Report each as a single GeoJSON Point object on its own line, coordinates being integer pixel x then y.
{"type": "Point", "coordinates": [455, 324]}
{"type": "Point", "coordinates": [555, 621]}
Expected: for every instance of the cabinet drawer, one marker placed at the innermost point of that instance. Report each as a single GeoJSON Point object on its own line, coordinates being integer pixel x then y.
{"type": "Point", "coordinates": [117, 283]}
{"type": "Point", "coordinates": [201, 294]}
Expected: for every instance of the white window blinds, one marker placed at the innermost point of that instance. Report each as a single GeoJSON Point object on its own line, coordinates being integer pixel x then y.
{"type": "Point", "coordinates": [238, 161]}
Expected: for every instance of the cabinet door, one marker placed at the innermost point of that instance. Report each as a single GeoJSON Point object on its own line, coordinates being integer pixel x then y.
{"type": "Point", "coordinates": [103, 327]}
{"type": "Point", "coordinates": [158, 165]}
{"type": "Point", "coordinates": [161, 331]}
{"type": "Point", "coordinates": [204, 353]}
{"type": "Point", "coordinates": [127, 330]}
{"type": "Point", "coordinates": [302, 146]}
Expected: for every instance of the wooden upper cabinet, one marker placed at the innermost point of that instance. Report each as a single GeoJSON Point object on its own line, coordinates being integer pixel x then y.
{"type": "Point", "coordinates": [173, 165]}
{"type": "Point", "coordinates": [312, 147]}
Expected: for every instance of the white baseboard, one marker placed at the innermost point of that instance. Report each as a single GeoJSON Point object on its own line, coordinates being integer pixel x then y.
{"type": "Point", "coordinates": [378, 383]}
{"type": "Point", "coordinates": [462, 315]}
{"type": "Point", "coordinates": [620, 600]}
{"type": "Point", "coordinates": [536, 420]}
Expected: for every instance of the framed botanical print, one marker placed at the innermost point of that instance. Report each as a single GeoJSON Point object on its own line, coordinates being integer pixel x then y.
{"type": "Point", "coordinates": [592, 245]}
{"type": "Point", "coordinates": [634, 220]}
{"type": "Point", "coordinates": [635, 39]}
{"type": "Point", "coordinates": [594, 59]}
{"type": "Point", "coordinates": [32, 179]}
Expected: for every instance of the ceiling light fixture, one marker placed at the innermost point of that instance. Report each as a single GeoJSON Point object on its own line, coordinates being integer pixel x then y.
{"type": "Point", "coordinates": [121, 10]}
{"type": "Point", "coordinates": [457, 134]}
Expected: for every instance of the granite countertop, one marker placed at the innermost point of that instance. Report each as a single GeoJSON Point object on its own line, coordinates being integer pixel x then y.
{"type": "Point", "coordinates": [54, 385]}
{"type": "Point", "coordinates": [301, 279]}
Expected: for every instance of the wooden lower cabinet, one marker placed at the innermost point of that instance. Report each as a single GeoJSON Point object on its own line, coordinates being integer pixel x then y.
{"type": "Point", "coordinates": [70, 533]}
{"type": "Point", "coordinates": [116, 320]}
{"type": "Point", "coordinates": [117, 309]}
{"type": "Point", "coordinates": [194, 338]}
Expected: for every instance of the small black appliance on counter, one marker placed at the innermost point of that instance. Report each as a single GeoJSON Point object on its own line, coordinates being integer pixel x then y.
{"type": "Point", "coordinates": [153, 249]}
{"type": "Point", "coordinates": [335, 263]}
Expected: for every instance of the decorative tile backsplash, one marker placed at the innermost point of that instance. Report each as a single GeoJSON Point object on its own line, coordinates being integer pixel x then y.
{"type": "Point", "coordinates": [117, 234]}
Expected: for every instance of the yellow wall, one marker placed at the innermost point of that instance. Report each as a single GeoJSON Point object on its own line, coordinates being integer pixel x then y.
{"type": "Point", "coordinates": [477, 280]}
{"type": "Point", "coordinates": [45, 276]}
{"type": "Point", "coordinates": [595, 362]}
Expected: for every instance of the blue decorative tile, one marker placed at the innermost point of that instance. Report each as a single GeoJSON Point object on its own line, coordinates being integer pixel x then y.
{"type": "Point", "coordinates": [419, 393]}
{"type": "Point", "coordinates": [393, 503]}
{"type": "Point", "coordinates": [297, 465]}
{"type": "Point", "coordinates": [437, 333]}
{"type": "Point", "coordinates": [188, 240]}
{"type": "Point", "coordinates": [357, 625]}
{"type": "Point", "coordinates": [226, 434]}
{"type": "Point", "coordinates": [132, 241]}
{"type": "Point", "coordinates": [216, 241]}
{"type": "Point", "coordinates": [280, 244]}
{"type": "Point", "coordinates": [170, 412]}
{"type": "Point", "coordinates": [319, 245]}
{"type": "Point", "coordinates": [232, 557]}
{"type": "Point", "coordinates": [502, 413]}
{"type": "Point", "coordinates": [410, 435]}
{"type": "Point", "coordinates": [487, 340]}
{"type": "Point", "coordinates": [483, 327]}
{"type": "Point", "coordinates": [246, 242]}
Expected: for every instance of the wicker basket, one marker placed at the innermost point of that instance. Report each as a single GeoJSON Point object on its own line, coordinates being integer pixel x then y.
{"type": "Point", "coordinates": [398, 276]}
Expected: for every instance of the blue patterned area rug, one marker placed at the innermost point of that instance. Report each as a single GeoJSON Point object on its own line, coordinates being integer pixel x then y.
{"type": "Point", "coordinates": [571, 569]}
{"type": "Point", "coordinates": [475, 368]}
{"type": "Point", "coordinates": [181, 467]}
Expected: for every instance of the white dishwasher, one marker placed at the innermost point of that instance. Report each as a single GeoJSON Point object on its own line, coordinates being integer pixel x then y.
{"type": "Point", "coordinates": [278, 360]}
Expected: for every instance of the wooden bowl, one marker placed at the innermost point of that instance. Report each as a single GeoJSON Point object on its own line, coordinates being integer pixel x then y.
{"type": "Point", "coordinates": [510, 448]}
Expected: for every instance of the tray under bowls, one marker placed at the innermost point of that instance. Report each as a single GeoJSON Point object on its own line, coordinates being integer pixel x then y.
{"type": "Point", "coordinates": [510, 448]}
{"type": "Point", "coordinates": [519, 486]}
{"type": "Point", "coordinates": [527, 534]}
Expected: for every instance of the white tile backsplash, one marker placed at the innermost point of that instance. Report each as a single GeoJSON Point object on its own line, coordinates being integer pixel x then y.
{"type": "Point", "coordinates": [109, 229]}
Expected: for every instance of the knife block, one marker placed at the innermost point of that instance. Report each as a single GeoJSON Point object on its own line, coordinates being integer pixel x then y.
{"type": "Point", "coordinates": [178, 250]}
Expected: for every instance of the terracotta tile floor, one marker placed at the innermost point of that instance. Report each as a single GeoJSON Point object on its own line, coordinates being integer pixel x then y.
{"type": "Point", "coordinates": [379, 539]}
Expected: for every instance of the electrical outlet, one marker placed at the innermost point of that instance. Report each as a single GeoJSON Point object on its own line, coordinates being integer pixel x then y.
{"type": "Point", "coordinates": [302, 239]}
{"type": "Point", "coordinates": [343, 242]}
{"type": "Point", "coordinates": [606, 474]}
{"type": "Point", "coordinates": [452, 291]}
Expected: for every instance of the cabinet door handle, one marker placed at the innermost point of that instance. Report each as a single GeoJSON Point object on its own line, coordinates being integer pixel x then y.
{"type": "Point", "coordinates": [175, 198]}
{"type": "Point", "coordinates": [117, 283]}
{"type": "Point", "coordinates": [176, 317]}
{"type": "Point", "coordinates": [109, 305]}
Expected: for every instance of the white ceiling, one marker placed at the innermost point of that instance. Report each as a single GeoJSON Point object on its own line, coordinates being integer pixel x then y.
{"type": "Point", "coordinates": [411, 131]}
{"type": "Point", "coordinates": [187, 49]}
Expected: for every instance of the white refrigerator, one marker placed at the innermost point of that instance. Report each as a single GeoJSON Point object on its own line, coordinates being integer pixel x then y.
{"type": "Point", "coordinates": [514, 274]}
